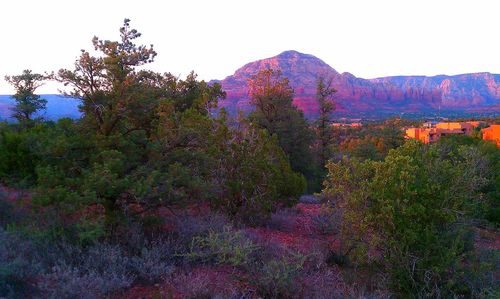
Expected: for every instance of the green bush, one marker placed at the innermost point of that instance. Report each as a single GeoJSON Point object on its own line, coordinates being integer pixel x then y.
{"type": "Point", "coordinates": [413, 208]}
{"type": "Point", "coordinates": [278, 278]}
{"type": "Point", "coordinates": [255, 177]}
{"type": "Point", "coordinates": [227, 247]}
{"type": "Point", "coordinates": [476, 279]}
{"type": "Point", "coordinates": [17, 156]}
{"type": "Point", "coordinates": [188, 227]}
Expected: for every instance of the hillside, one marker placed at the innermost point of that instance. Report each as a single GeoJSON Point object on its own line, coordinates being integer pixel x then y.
{"type": "Point", "coordinates": [467, 92]}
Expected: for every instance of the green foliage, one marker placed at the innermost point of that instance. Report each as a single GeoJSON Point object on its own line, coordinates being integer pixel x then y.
{"type": "Point", "coordinates": [226, 247]}
{"type": "Point", "coordinates": [26, 155]}
{"type": "Point", "coordinates": [255, 175]}
{"type": "Point", "coordinates": [278, 278]}
{"type": "Point", "coordinates": [61, 197]}
{"type": "Point", "coordinates": [16, 159]}
{"type": "Point", "coordinates": [322, 146]}
{"type": "Point", "coordinates": [275, 112]}
{"type": "Point", "coordinates": [475, 278]}
{"type": "Point", "coordinates": [412, 208]}
{"type": "Point", "coordinates": [372, 141]}
{"type": "Point", "coordinates": [190, 93]}
{"type": "Point", "coordinates": [146, 140]}
{"type": "Point", "coordinates": [112, 91]}
{"type": "Point", "coordinates": [90, 232]}
{"type": "Point", "coordinates": [27, 102]}
{"type": "Point", "coordinates": [480, 163]}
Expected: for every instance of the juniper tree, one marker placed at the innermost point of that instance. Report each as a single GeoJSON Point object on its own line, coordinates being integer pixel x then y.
{"type": "Point", "coordinates": [109, 85]}
{"type": "Point", "coordinates": [272, 96]}
{"type": "Point", "coordinates": [324, 96]}
{"type": "Point", "coordinates": [27, 102]}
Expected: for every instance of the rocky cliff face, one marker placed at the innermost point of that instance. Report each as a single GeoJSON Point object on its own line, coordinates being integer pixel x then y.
{"type": "Point", "coordinates": [389, 94]}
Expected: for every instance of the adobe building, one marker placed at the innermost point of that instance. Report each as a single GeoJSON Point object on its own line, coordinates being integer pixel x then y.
{"type": "Point", "coordinates": [465, 127]}
{"type": "Point", "coordinates": [478, 123]}
{"type": "Point", "coordinates": [422, 134]}
{"type": "Point", "coordinates": [492, 133]}
{"type": "Point", "coordinates": [432, 133]}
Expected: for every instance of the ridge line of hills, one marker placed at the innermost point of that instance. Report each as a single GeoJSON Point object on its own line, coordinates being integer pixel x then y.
{"type": "Point", "coordinates": [464, 93]}
{"type": "Point", "coordinates": [473, 92]}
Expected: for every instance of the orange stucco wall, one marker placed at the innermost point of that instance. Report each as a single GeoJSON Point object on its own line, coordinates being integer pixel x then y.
{"type": "Point", "coordinates": [428, 135]}
{"type": "Point", "coordinates": [492, 133]}
{"type": "Point", "coordinates": [465, 127]}
{"type": "Point", "coordinates": [422, 134]}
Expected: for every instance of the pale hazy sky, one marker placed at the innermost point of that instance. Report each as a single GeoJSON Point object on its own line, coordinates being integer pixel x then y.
{"type": "Point", "coordinates": [368, 38]}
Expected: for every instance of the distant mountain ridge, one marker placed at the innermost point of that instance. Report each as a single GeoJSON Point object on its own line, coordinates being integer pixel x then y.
{"type": "Point", "coordinates": [58, 106]}
{"type": "Point", "coordinates": [475, 93]}
{"type": "Point", "coordinates": [467, 92]}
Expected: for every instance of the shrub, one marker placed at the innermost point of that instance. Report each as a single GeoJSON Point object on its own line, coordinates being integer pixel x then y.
{"type": "Point", "coordinates": [18, 263]}
{"type": "Point", "coordinates": [155, 261]}
{"type": "Point", "coordinates": [283, 220]}
{"type": "Point", "coordinates": [90, 232]}
{"type": "Point", "coordinates": [17, 156]}
{"type": "Point", "coordinates": [268, 249]}
{"type": "Point", "coordinates": [12, 211]}
{"type": "Point", "coordinates": [323, 284]}
{"type": "Point", "coordinates": [328, 221]}
{"type": "Point", "coordinates": [255, 176]}
{"type": "Point", "coordinates": [188, 227]}
{"type": "Point", "coordinates": [204, 285]}
{"type": "Point", "coordinates": [101, 270]}
{"type": "Point", "coordinates": [228, 247]}
{"type": "Point", "coordinates": [109, 260]}
{"type": "Point", "coordinates": [278, 278]}
{"type": "Point", "coordinates": [67, 282]}
{"type": "Point", "coordinates": [409, 214]}
{"type": "Point", "coordinates": [477, 278]}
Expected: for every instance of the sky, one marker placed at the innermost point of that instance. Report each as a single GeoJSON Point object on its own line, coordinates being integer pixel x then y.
{"type": "Point", "coordinates": [368, 38]}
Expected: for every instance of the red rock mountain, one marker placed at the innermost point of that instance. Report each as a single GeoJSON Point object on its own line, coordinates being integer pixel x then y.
{"type": "Point", "coordinates": [467, 92]}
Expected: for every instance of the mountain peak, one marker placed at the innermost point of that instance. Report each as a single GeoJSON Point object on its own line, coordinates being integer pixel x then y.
{"type": "Point", "coordinates": [357, 95]}
{"type": "Point", "coordinates": [293, 53]}
{"type": "Point", "coordinates": [291, 63]}
{"type": "Point", "coordinates": [293, 56]}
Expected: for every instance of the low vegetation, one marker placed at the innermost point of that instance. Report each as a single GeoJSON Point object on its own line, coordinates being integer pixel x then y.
{"type": "Point", "coordinates": [413, 214]}
{"type": "Point", "coordinates": [156, 193]}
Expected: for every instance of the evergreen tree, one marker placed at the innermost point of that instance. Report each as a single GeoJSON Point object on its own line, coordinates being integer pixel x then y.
{"type": "Point", "coordinates": [27, 102]}
{"type": "Point", "coordinates": [273, 98]}
{"type": "Point", "coordinates": [111, 89]}
{"type": "Point", "coordinates": [149, 141]}
{"type": "Point", "coordinates": [324, 96]}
